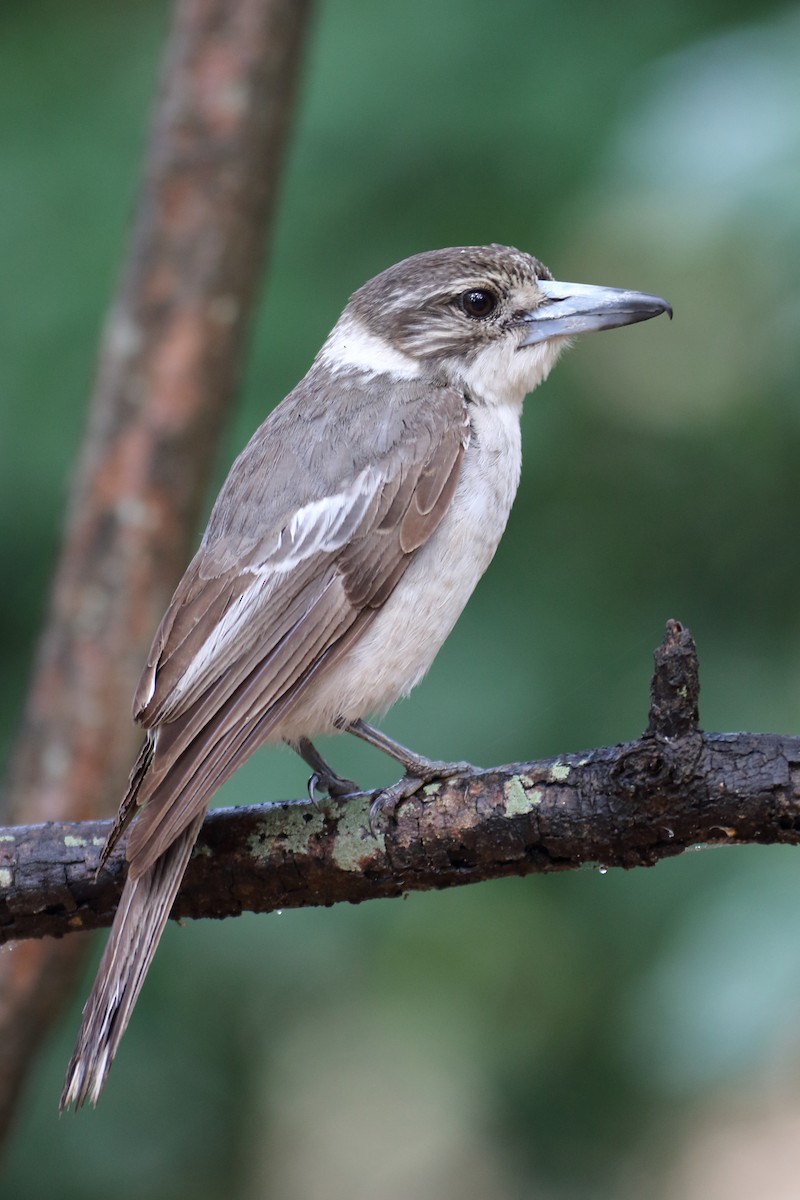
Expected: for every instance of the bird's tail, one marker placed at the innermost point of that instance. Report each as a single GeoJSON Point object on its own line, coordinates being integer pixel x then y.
{"type": "Point", "coordinates": [143, 910]}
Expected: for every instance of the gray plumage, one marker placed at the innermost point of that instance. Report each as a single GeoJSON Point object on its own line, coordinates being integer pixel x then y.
{"type": "Point", "coordinates": [344, 543]}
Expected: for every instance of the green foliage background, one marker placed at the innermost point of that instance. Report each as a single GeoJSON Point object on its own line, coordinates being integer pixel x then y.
{"type": "Point", "coordinates": [573, 1038]}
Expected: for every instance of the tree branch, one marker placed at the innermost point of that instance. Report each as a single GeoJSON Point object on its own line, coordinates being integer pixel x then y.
{"type": "Point", "coordinates": [625, 806]}
{"type": "Point", "coordinates": [167, 372]}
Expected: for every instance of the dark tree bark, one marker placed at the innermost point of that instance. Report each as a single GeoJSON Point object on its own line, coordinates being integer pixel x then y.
{"type": "Point", "coordinates": [628, 805]}
{"type": "Point", "coordinates": [168, 367]}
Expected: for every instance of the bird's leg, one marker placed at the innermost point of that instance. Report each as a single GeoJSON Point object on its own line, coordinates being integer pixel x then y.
{"type": "Point", "coordinates": [323, 776]}
{"type": "Point", "coordinates": [418, 769]}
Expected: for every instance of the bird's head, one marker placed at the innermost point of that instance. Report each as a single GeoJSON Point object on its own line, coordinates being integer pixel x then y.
{"type": "Point", "coordinates": [490, 320]}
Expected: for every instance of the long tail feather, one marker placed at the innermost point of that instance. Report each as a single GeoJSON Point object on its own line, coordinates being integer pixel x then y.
{"type": "Point", "coordinates": [143, 911]}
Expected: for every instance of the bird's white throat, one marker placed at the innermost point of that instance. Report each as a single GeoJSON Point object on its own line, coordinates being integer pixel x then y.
{"type": "Point", "coordinates": [502, 373]}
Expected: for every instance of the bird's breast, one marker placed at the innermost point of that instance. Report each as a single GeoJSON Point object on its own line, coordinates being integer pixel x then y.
{"type": "Point", "coordinates": [402, 641]}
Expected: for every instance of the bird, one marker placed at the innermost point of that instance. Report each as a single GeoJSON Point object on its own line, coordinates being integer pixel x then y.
{"type": "Point", "coordinates": [343, 546]}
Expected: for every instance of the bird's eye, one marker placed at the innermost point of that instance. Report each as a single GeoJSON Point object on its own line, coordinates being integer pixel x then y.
{"type": "Point", "coordinates": [478, 303]}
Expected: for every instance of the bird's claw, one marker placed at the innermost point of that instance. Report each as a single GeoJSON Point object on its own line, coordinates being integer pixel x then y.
{"type": "Point", "coordinates": [313, 783]}
{"type": "Point", "coordinates": [383, 808]}
{"type": "Point", "coordinates": [332, 785]}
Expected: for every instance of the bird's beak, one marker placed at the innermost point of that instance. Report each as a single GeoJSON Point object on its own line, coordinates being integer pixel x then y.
{"type": "Point", "coordinates": [582, 308]}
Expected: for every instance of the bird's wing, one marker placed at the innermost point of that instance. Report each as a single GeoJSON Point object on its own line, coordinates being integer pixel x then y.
{"type": "Point", "coordinates": [242, 641]}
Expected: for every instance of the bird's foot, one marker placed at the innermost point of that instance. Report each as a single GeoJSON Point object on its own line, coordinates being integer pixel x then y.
{"type": "Point", "coordinates": [323, 776]}
{"type": "Point", "coordinates": [331, 784]}
{"type": "Point", "coordinates": [419, 774]}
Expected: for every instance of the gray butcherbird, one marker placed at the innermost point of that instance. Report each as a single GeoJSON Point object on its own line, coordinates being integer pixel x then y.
{"type": "Point", "coordinates": [343, 546]}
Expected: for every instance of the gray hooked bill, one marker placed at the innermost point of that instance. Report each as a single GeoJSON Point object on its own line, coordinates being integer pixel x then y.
{"type": "Point", "coordinates": [583, 308]}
